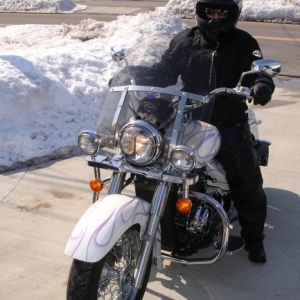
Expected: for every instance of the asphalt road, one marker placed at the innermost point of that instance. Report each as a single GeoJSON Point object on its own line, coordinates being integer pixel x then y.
{"type": "Point", "coordinates": [277, 41]}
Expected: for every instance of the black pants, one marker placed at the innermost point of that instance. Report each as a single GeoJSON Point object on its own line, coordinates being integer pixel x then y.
{"type": "Point", "coordinates": [237, 155]}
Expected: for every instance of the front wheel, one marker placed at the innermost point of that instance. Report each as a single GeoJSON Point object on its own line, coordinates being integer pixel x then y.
{"type": "Point", "coordinates": [112, 277]}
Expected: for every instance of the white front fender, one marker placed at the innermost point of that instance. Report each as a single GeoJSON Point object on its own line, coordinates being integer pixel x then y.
{"type": "Point", "coordinates": [102, 225]}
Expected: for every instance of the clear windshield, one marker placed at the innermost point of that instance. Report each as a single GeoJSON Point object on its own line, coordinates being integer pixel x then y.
{"type": "Point", "coordinates": [168, 109]}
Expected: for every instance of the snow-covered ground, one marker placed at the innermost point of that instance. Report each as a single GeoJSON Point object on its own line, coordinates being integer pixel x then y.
{"type": "Point", "coordinates": [53, 78]}
{"type": "Point", "coordinates": [272, 10]}
{"type": "Point", "coordinates": [40, 6]}
{"type": "Point", "coordinates": [276, 10]}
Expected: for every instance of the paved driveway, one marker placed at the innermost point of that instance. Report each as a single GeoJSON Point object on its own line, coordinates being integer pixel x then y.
{"type": "Point", "coordinates": [40, 205]}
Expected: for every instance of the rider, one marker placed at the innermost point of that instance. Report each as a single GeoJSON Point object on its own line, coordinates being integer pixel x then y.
{"type": "Point", "coordinates": [216, 41]}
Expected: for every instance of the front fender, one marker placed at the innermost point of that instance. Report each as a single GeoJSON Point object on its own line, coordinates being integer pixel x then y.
{"type": "Point", "coordinates": [102, 225]}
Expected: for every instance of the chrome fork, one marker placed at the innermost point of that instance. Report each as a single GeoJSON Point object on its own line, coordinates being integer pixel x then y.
{"type": "Point", "coordinates": [156, 212]}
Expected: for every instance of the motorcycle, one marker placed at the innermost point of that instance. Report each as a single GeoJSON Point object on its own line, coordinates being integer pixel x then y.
{"type": "Point", "coordinates": [179, 205]}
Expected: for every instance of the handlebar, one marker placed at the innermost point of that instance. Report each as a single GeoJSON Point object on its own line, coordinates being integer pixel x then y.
{"type": "Point", "coordinates": [240, 91]}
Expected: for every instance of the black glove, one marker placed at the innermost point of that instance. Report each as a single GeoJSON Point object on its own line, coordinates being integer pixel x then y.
{"type": "Point", "coordinates": [261, 93]}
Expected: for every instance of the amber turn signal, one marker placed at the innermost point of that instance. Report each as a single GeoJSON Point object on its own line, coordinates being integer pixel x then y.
{"type": "Point", "coordinates": [96, 185]}
{"type": "Point", "coordinates": [184, 205]}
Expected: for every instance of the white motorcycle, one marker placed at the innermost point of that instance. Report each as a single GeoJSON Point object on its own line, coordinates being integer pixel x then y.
{"type": "Point", "coordinates": [179, 204]}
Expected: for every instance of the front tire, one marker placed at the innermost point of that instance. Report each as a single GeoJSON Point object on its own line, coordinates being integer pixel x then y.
{"type": "Point", "coordinates": [112, 277]}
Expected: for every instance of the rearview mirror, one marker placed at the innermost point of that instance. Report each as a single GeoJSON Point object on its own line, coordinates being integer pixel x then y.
{"type": "Point", "coordinates": [117, 53]}
{"type": "Point", "coordinates": [272, 67]}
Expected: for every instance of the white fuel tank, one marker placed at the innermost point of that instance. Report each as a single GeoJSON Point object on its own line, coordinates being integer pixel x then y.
{"type": "Point", "coordinates": [204, 138]}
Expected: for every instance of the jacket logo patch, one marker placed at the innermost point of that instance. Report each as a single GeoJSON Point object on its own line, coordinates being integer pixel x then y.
{"type": "Point", "coordinates": [257, 53]}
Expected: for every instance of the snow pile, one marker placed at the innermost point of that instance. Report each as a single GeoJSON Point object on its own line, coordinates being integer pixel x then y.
{"type": "Point", "coordinates": [52, 85]}
{"type": "Point", "coordinates": [287, 11]}
{"type": "Point", "coordinates": [40, 6]}
{"type": "Point", "coordinates": [53, 78]}
{"type": "Point", "coordinates": [272, 10]}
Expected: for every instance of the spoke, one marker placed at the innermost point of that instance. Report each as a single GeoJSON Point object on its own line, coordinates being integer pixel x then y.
{"type": "Point", "coordinates": [117, 272]}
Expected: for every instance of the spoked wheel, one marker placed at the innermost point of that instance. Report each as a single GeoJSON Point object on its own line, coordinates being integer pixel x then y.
{"type": "Point", "coordinates": [111, 277]}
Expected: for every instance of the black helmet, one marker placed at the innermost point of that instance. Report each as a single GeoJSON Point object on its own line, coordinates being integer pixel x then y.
{"type": "Point", "coordinates": [216, 27]}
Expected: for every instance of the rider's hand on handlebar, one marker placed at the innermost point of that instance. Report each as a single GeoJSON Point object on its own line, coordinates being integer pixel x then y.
{"type": "Point", "coordinates": [261, 93]}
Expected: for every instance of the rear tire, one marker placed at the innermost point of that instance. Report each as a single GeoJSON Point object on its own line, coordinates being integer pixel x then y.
{"type": "Point", "coordinates": [112, 276]}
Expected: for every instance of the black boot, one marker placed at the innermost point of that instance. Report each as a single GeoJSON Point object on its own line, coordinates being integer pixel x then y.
{"type": "Point", "coordinates": [257, 252]}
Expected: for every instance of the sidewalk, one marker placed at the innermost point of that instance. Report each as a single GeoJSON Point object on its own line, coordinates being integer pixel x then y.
{"type": "Point", "coordinates": [40, 205]}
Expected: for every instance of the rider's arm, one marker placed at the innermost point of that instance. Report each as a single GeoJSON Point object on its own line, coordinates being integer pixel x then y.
{"type": "Point", "coordinates": [251, 52]}
{"type": "Point", "coordinates": [164, 73]}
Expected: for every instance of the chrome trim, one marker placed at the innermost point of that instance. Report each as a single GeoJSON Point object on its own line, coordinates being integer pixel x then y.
{"type": "Point", "coordinates": [117, 114]}
{"type": "Point", "coordinates": [94, 135]}
{"type": "Point", "coordinates": [189, 179]}
{"type": "Point", "coordinates": [178, 128]}
{"type": "Point", "coordinates": [153, 131]}
{"type": "Point", "coordinates": [97, 175]}
{"type": "Point", "coordinates": [225, 236]}
{"type": "Point", "coordinates": [151, 173]}
{"type": "Point", "coordinates": [156, 212]}
{"type": "Point", "coordinates": [169, 91]}
{"type": "Point", "coordinates": [190, 152]}
{"type": "Point", "coordinates": [116, 183]}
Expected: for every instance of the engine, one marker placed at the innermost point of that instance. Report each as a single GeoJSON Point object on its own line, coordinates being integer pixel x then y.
{"type": "Point", "coordinates": [199, 228]}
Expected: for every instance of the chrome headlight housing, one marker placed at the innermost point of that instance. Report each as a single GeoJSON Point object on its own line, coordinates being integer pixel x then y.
{"type": "Point", "coordinates": [140, 142]}
{"type": "Point", "coordinates": [88, 142]}
{"type": "Point", "coordinates": [183, 158]}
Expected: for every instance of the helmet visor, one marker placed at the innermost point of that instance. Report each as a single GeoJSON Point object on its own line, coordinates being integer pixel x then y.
{"type": "Point", "coordinates": [216, 13]}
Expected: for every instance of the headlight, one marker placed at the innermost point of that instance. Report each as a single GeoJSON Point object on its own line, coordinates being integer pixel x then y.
{"type": "Point", "coordinates": [140, 142]}
{"type": "Point", "coordinates": [183, 158]}
{"type": "Point", "coordinates": [88, 142]}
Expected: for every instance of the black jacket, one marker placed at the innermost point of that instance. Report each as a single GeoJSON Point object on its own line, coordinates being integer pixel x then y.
{"type": "Point", "coordinates": [189, 53]}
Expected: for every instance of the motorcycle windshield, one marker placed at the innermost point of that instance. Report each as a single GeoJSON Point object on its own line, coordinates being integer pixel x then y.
{"type": "Point", "coordinates": [136, 93]}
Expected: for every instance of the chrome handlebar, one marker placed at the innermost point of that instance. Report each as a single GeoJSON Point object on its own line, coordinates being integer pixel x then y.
{"type": "Point", "coordinates": [240, 91]}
